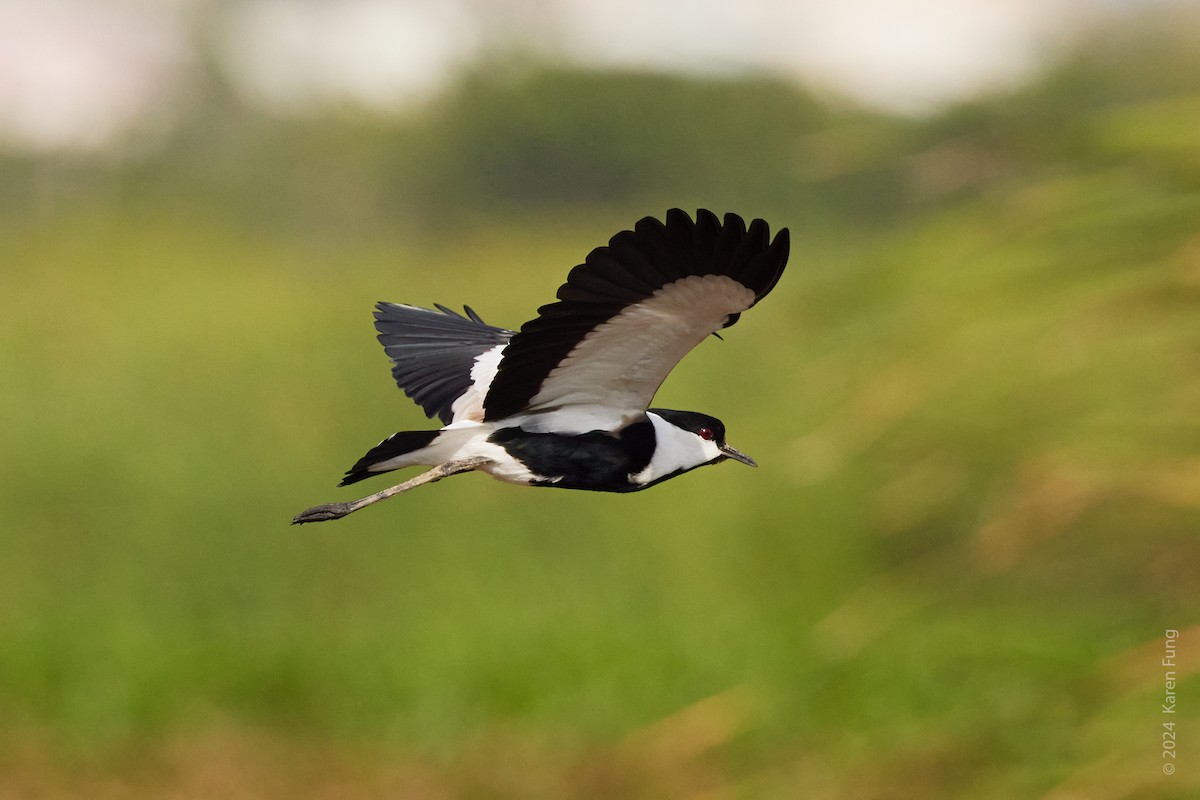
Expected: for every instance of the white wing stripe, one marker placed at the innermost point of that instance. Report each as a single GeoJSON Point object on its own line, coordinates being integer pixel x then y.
{"type": "Point", "coordinates": [469, 405]}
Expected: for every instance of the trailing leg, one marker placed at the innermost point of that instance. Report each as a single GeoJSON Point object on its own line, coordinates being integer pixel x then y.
{"type": "Point", "coordinates": [338, 510]}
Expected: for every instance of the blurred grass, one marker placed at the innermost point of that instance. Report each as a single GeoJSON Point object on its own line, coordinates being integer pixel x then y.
{"type": "Point", "coordinates": [975, 517]}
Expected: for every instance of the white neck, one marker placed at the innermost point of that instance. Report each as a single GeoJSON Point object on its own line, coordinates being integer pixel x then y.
{"type": "Point", "coordinates": [674, 449]}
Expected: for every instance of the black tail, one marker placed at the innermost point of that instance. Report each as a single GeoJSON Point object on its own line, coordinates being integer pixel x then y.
{"type": "Point", "coordinates": [395, 445]}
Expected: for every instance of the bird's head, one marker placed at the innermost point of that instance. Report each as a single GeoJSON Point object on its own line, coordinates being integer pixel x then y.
{"type": "Point", "coordinates": [709, 435]}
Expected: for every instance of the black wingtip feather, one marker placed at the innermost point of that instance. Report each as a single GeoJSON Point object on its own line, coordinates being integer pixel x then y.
{"type": "Point", "coordinates": [774, 259]}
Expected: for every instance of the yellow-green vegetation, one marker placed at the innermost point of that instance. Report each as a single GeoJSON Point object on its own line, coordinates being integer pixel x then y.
{"type": "Point", "coordinates": [975, 399]}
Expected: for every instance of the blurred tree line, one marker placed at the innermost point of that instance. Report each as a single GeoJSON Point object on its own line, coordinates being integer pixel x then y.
{"type": "Point", "coordinates": [534, 138]}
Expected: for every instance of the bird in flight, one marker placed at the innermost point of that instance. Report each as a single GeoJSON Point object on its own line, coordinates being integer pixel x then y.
{"type": "Point", "coordinates": [564, 401]}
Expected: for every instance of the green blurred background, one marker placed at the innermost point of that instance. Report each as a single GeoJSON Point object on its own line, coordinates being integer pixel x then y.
{"type": "Point", "coordinates": [974, 397]}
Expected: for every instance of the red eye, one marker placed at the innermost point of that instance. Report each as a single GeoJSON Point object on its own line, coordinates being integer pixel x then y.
{"type": "Point", "coordinates": [706, 434]}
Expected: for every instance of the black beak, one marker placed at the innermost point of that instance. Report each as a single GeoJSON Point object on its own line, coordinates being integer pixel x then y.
{"type": "Point", "coordinates": [737, 455]}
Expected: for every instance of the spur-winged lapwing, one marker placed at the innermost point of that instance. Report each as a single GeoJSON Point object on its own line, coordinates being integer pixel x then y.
{"type": "Point", "coordinates": [564, 401]}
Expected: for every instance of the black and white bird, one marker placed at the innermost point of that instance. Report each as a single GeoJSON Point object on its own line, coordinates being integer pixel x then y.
{"type": "Point", "coordinates": [564, 401]}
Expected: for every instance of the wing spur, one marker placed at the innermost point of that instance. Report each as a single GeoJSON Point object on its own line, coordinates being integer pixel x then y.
{"type": "Point", "coordinates": [433, 352]}
{"type": "Point", "coordinates": [631, 311]}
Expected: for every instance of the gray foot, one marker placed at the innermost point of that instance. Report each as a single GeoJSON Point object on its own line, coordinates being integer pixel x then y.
{"type": "Point", "coordinates": [322, 513]}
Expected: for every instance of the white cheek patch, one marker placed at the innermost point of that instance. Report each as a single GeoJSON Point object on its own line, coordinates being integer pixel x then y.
{"type": "Point", "coordinates": [675, 449]}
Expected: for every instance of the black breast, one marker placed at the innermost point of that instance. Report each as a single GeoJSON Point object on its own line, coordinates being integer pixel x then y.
{"type": "Point", "coordinates": [598, 461]}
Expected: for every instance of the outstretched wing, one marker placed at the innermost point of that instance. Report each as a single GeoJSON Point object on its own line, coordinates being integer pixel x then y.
{"type": "Point", "coordinates": [630, 312]}
{"type": "Point", "coordinates": [437, 356]}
